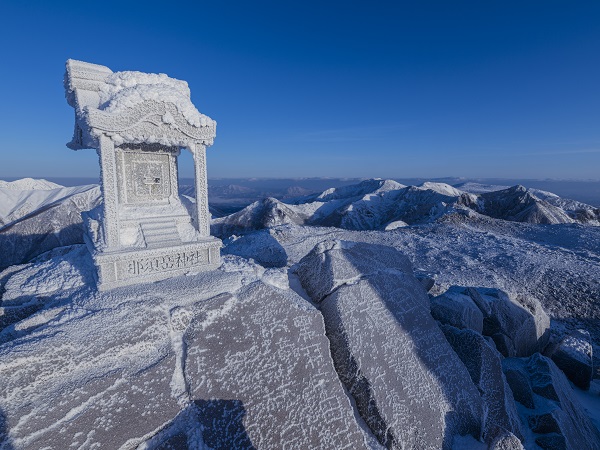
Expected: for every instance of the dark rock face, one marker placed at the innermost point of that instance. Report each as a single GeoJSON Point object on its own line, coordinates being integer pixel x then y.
{"type": "Point", "coordinates": [518, 204]}
{"type": "Point", "coordinates": [517, 378]}
{"type": "Point", "coordinates": [554, 413]}
{"type": "Point", "coordinates": [258, 364]}
{"type": "Point", "coordinates": [410, 387]}
{"type": "Point", "coordinates": [574, 356]}
{"type": "Point", "coordinates": [485, 368]}
{"type": "Point", "coordinates": [456, 308]}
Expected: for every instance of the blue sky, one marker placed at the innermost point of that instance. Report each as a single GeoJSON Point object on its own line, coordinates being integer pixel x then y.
{"type": "Point", "coordinates": [338, 89]}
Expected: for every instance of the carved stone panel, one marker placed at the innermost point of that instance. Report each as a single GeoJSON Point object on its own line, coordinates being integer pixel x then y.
{"type": "Point", "coordinates": [145, 177]}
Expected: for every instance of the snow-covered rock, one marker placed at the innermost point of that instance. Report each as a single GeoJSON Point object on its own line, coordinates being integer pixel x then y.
{"type": "Point", "coordinates": [196, 359]}
{"type": "Point", "coordinates": [574, 356]}
{"type": "Point", "coordinates": [455, 307]}
{"type": "Point", "coordinates": [261, 246]}
{"type": "Point", "coordinates": [520, 205]}
{"type": "Point", "coordinates": [518, 325]}
{"type": "Point", "coordinates": [266, 348]}
{"type": "Point", "coordinates": [29, 184]}
{"type": "Point", "coordinates": [556, 417]}
{"type": "Point", "coordinates": [506, 441]}
{"type": "Point", "coordinates": [387, 349]}
{"type": "Point", "coordinates": [485, 367]}
{"type": "Point", "coordinates": [265, 213]}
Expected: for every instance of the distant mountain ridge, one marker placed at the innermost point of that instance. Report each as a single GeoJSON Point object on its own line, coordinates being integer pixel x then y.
{"type": "Point", "coordinates": [376, 204]}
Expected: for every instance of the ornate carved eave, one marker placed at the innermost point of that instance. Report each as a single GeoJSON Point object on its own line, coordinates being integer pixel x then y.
{"type": "Point", "coordinates": [147, 122]}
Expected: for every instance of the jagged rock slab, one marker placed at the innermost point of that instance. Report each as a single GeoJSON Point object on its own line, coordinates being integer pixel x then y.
{"type": "Point", "coordinates": [410, 387]}
{"type": "Point", "coordinates": [258, 363]}
{"type": "Point", "coordinates": [574, 356]}
{"type": "Point", "coordinates": [456, 308]}
{"type": "Point", "coordinates": [333, 263]}
{"type": "Point", "coordinates": [518, 325]}
{"type": "Point", "coordinates": [260, 246]}
{"type": "Point", "coordinates": [485, 367]}
{"type": "Point", "coordinates": [554, 414]}
{"type": "Point", "coordinates": [98, 369]}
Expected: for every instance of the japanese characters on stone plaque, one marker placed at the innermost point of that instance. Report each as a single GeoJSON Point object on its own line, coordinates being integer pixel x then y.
{"type": "Point", "coordinates": [138, 123]}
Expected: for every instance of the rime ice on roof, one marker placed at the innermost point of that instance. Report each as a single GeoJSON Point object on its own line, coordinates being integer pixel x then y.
{"type": "Point", "coordinates": [138, 123]}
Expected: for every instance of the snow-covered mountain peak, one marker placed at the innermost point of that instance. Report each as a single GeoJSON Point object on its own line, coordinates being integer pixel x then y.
{"type": "Point", "coordinates": [442, 188]}
{"type": "Point", "coordinates": [29, 184]}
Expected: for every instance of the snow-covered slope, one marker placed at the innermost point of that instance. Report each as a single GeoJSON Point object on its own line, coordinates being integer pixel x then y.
{"type": "Point", "coordinates": [22, 197]}
{"type": "Point", "coordinates": [29, 184]}
{"type": "Point", "coordinates": [336, 345]}
{"type": "Point", "coordinates": [380, 204]}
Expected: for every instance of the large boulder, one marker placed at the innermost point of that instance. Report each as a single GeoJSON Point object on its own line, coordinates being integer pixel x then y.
{"type": "Point", "coordinates": [260, 374]}
{"type": "Point", "coordinates": [485, 368]}
{"type": "Point", "coordinates": [552, 411]}
{"type": "Point", "coordinates": [518, 325]}
{"type": "Point", "coordinates": [409, 386]}
{"type": "Point", "coordinates": [574, 356]}
{"type": "Point", "coordinates": [209, 360]}
{"type": "Point", "coordinates": [456, 308]}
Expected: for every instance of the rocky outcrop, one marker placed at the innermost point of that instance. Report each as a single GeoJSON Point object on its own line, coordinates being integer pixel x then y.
{"type": "Point", "coordinates": [387, 349]}
{"type": "Point", "coordinates": [455, 307]}
{"type": "Point", "coordinates": [551, 411]}
{"type": "Point", "coordinates": [518, 325]}
{"type": "Point", "coordinates": [574, 356]}
{"type": "Point", "coordinates": [485, 368]}
{"type": "Point", "coordinates": [265, 348]}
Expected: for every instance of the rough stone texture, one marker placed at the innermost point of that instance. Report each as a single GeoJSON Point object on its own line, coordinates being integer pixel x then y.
{"type": "Point", "coordinates": [558, 417]}
{"type": "Point", "coordinates": [518, 380]}
{"type": "Point", "coordinates": [258, 365]}
{"type": "Point", "coordinates": [552, 442]}
{"type": "Point", "coordinates": [517, 324]}
{"type": "Point", "coordinates": [260, 246]}
{"type": "Point", "coordinates": [94, 391]}
{"type": "Point", "coordinates": [506, 441]}
{"type": "Point", "coordinates": [485, 367]}
{"type": "Point", "coordinates": [330, 264]}
{"type": "Point", "coordinates": [426, 281]}
{"type": "Point", "coordinates": [96, 369]}
{"type": "Point", "coordinates": [410, 387]}
{"type": "Point", "coordinates": [456, 308]}
{"type": "Point", "coordinates": [574, 356]}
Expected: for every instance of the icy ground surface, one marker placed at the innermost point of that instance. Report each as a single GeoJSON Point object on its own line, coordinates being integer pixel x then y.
{"type": "Point", "coordinates": [244, 357]}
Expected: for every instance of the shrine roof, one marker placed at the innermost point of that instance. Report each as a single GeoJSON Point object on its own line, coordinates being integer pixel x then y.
{"type": "Point", "coordinates": [132, 108]}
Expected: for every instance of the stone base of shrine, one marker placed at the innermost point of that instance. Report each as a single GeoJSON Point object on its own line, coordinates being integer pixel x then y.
{"type": "Point", "coordinates": [122, 268]}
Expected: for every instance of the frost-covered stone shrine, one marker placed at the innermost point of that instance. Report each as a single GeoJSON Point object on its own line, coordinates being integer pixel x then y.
{"type": "Point", "coordinates": [138, 122]}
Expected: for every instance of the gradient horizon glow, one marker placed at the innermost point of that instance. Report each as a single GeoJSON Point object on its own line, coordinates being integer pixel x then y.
{"type": "Point", "coordinates": [325, 89]}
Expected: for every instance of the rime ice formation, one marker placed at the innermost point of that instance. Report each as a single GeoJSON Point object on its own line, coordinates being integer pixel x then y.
{"type": "Point", "coordinates": [408, 384]}
{"type": "Point", "coordinates": [240, 357]}
{"type": "Point", "coordinates": [138, 122]}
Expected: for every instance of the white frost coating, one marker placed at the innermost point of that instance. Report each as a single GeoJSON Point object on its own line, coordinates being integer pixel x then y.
{"type": "Point", "coordinates": [578, 348]}
{"type": "Point", "coordinates": [126, 89]}
{"type": "Point", "coordinates": [29, 184]}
